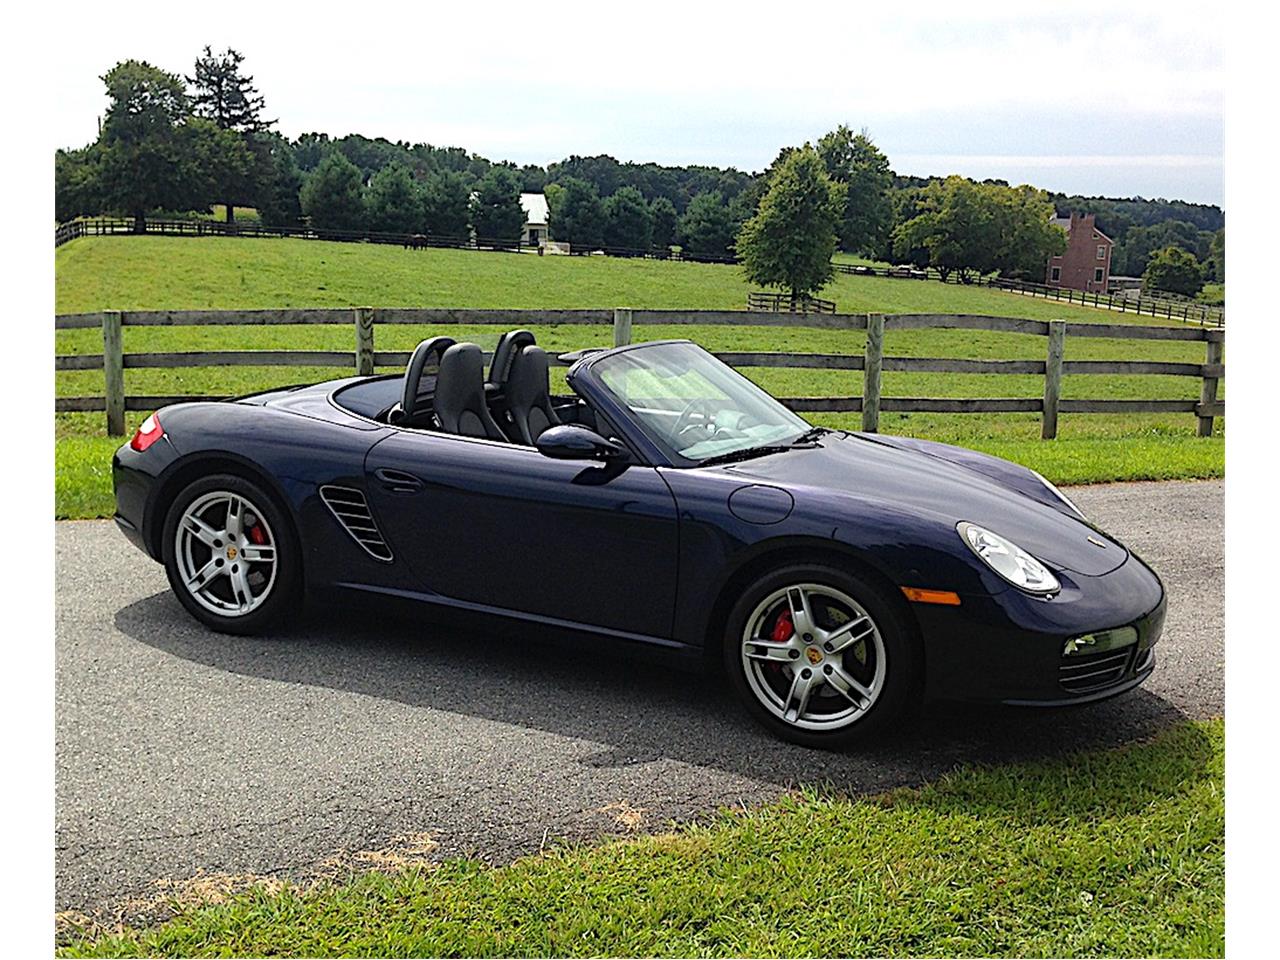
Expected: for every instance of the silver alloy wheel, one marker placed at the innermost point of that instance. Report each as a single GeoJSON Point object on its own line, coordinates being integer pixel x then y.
{"type": "Point", "coordinates": [829, 672]}
{"type": "Point", "coordinates": [225, 566]}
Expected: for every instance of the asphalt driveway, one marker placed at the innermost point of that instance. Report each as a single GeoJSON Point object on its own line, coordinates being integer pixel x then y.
{"type": "Point", "coordinates": [356, 739]}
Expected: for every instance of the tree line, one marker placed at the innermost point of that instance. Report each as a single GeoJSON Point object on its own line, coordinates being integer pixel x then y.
{"type": "Point", "coordinates": [171, 144]}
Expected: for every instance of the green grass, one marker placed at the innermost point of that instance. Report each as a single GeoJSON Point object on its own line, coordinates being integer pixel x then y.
{"type": "Point", "coordinates": [155, 273]}
{"type": "Point", "coordinates": [175, 273]}
{"type": "Point", "coordinates": [1116, 853]}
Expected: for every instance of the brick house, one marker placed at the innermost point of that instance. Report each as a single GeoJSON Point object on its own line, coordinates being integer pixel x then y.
{"type": "Point", "coordinates": [1086, 263]}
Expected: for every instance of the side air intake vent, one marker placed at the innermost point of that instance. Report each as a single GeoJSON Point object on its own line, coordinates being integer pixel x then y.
{"type": "Point", "coordinates": [352, 511]}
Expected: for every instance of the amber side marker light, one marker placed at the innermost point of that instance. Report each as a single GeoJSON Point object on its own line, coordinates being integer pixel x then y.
{"type": "Point", "coordinates": [919, 595]}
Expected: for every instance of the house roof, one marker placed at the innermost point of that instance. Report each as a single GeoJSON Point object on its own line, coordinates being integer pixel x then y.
{"type": "Point", "coordinates": [535, 208]}
{"type": "Point", "coordinates": [1065, 224]}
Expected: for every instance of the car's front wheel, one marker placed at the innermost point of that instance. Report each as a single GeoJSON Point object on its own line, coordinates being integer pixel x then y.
{"type": "Point", "coordinates": [230, 556]}
{"type": "Point", "coordinates": [820, 656]}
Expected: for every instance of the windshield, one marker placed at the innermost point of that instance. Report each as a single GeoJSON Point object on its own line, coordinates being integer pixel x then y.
{"type": "Point", "coordinates": [693, 404]}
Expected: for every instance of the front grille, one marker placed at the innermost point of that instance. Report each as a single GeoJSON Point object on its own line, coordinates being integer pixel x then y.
{"type": "Point", "coordinates": [352, 511]}
{"type": "Point", "coordinates": [1084, 673]}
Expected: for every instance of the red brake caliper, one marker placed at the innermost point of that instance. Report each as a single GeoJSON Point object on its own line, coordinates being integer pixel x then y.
{"type": "Point", "coordinates": [783, 628]}
{"type": "Point", "coordinates": [257, 535]}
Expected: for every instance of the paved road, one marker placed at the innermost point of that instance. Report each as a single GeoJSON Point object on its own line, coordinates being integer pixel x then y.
{"type": "Point", "coordinates": [184, 753]}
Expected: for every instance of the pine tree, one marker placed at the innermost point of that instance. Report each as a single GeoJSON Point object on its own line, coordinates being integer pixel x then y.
{"type": "Point", "coordinates": [333, 196]}
{"type": "Point", "coordinates": [496, 213]}
{"type": "Point", "coordinates": [391, 203]}
{"type": "Point", "coordinates": [228, 98]}
{"type": "Point", "coordinates": [628, 223]}
{"type": "Point", "coordinates": [577, 215]}
{"type": "Point", "coordinates": [663, 214]}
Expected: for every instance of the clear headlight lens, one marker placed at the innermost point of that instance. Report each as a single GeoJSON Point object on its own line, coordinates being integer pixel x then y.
{"type": "Point", "coordinates": [1008, 559]}
{"type": "Point", "coordinates": [1060, 495]}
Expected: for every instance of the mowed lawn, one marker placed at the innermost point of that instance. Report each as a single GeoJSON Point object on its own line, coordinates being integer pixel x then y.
{"type": "Point", "coordinates": [222, 273]}
{"type": "Point", "coordinates": [1117, 853]}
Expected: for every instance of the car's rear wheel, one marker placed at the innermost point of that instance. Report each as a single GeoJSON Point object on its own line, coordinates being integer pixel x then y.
{"type": "Point", "coordinates": [821, 657]}
{"type": "Point", "coordinates": [230, 554]}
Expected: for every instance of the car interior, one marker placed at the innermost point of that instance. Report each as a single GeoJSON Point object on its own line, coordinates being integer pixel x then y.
{"type": "Point", "coordinates": [445, 389]}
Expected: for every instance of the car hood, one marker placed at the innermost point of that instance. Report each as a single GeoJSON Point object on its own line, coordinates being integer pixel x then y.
{"type": "Point", "coordinates": [948, 483]}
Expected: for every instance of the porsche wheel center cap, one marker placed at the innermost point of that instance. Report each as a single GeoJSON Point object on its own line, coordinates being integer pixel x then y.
{"type": "Point", "coordinates": [814, 655]}
{"type": "Point", "coordinates": [231, 553]}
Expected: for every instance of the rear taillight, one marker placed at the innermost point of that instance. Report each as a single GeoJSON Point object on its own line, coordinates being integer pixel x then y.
{"type": "Point", "coordinates": [147, 434]}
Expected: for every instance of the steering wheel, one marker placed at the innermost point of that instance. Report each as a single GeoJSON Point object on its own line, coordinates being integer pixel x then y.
{"type": "Point", "coordinates": [686, 415]}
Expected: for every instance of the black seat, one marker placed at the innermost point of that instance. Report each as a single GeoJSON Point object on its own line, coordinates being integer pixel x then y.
{"type": "Point", "coordinates": [504, 354]}
{"type": "Point", "coordinates": [528, 395]}
{"type": "Point", "coordinates": [459, 399]}
{"type": "Point", "coordinates": [420, 378]}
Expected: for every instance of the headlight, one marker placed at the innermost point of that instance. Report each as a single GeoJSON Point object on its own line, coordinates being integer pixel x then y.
{"type": "Point", "coordinates": [1008, 559]}
{"type": "Point", "coordinates": [1060, 495]}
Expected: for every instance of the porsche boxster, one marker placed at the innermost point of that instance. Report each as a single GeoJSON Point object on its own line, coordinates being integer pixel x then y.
{"type": "Point", "coordinates": [838, 578]}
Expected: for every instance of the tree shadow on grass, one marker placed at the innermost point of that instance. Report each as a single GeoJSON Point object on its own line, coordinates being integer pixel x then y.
{"type": "Point", "coordinates": [635, 709]}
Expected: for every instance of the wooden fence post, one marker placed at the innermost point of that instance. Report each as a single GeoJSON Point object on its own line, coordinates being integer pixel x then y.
{"type": "Point", "coordinates": [872, 362]}
{"type": "Point", "coordinates": [1053, 379]}
{"type": "Point", "coordinates": [621, 326]}
{"type": "Point", "coordinates": [113, 370]}
{"type": "Point", "coordinates": [364, 341]}
{"type": "Point", "coordinates": [1209, 385]}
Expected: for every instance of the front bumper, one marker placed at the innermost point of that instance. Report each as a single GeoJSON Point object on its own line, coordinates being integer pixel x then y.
{"type": "Point", "coordinates": [1008, 647]}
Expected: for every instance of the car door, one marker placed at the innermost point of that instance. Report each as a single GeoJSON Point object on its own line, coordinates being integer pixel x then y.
{"type": "Point", "coordinates": [503, 526]}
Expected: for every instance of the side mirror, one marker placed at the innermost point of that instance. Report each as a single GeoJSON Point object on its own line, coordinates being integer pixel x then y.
{"type": "Point", "coordinates": [578, 443]}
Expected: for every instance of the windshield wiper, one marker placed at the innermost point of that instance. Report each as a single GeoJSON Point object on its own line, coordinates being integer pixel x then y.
{"type": "Point", "coordinates": [746, 453]}
{"type": "Point", "coordinates": [805, 441]}
{"type": "Point", "coordinates": [811, 435]}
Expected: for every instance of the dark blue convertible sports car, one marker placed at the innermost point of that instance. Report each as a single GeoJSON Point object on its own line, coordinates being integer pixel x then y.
{"type": "Point", "coordinates": [838, 577]}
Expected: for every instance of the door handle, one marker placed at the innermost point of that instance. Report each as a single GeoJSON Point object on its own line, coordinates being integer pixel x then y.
{"type": "Point", "coordinates": [397, 481]}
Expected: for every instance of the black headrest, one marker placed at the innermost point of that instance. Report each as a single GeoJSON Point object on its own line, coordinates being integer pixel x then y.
{"type": "Point", "coordinates": [427, 353]}
{"type": "Point", "coordinates": [459, 398]}
{"type": "Point", "coordinates": [527, 380]}
{"type": "Point", "coordinates": [509, 344]}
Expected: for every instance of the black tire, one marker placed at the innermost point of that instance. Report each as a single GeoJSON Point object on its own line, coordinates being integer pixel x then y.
{"type": "Point", "coordinates": [898, 691]}
{"type": "Point", "coordinates": [284, 592]}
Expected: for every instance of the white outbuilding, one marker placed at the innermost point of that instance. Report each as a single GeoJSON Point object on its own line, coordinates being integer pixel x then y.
{"type": "Point", "coordinates": [535, 218]}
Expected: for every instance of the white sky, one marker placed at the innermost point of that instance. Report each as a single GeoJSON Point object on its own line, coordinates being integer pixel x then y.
{"type": "Point", "coordinates": [1096, 98]}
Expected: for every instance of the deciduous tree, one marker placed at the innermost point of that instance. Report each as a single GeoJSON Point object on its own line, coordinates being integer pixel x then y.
{"type": "Point", "coordinates": [1026, 236]}
{"type": "Point", "coordinates": [790, 240]}
{"type": "Point", "coordinates": [1173, 270]}
{"type": "Point", "coordinates": [76, 187]}
{"type": "Point", "coordinates": [970, 227]}
{"type": "Point", "coordinates": [146, 156]}
{"type": "Point", "coordinates": [856, 162]}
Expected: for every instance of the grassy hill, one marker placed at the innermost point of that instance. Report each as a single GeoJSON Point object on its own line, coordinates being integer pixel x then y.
{"type": "Point", "coordinates": [157, 273]}
{"type": "Point", "coordinates": [227, 273]}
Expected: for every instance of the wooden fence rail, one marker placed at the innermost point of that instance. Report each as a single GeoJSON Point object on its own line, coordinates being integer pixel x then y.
{"type": "Point", "coordinates": [872, 362]}
{"type": "Point", "coordinates": [1188, 311]}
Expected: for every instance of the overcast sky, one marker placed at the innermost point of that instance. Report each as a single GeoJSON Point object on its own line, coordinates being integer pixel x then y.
{"type": "Point", "coordinates": [1088, 98]}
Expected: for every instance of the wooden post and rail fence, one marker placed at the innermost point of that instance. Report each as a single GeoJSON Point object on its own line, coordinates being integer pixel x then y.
{"type": "Point", "coordinates": [872, 362]}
